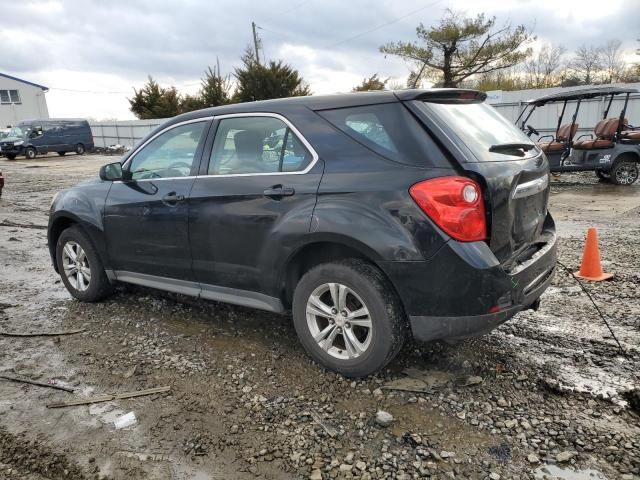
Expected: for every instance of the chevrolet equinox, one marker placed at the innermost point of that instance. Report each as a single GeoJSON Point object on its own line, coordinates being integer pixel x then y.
{"type": "Point", "coordinates": [369, 216]}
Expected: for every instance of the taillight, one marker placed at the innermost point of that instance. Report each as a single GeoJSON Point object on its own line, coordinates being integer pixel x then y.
{"type": "Point", "coordinates": [455, 204]}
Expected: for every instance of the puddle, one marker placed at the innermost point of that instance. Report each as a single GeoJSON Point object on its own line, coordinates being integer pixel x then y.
{"type": "Point", "coordinates": [554, 472]}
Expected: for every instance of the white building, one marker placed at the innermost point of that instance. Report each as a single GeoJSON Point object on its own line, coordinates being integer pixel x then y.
{"type": "Point", "coordinates": [21, 100]}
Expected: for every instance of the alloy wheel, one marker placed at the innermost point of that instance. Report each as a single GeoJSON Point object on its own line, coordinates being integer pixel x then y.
{"type": "Point", "coordinates": [76, 266]}
{"type": "Point", "coordinates": [339, 321]}
{"type": "Point", "coordinates": [627, 173]}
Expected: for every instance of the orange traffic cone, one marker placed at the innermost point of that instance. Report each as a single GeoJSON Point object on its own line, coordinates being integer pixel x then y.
{"type": "Point", "coordinates": [590, 269]}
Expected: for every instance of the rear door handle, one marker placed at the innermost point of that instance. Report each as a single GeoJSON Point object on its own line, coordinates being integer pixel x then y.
{"type": "Point", "coordinates": [278, 191]}
{"type": "Point", "coordinates": [172, 198]}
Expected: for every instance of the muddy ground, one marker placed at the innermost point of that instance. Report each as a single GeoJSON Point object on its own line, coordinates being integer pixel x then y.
{"type": "Point", "coordinates": [544, 394]}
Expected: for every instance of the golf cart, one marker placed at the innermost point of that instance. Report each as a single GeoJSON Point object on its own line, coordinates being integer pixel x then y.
{"type": "Point", "coordinates": [612, 150]}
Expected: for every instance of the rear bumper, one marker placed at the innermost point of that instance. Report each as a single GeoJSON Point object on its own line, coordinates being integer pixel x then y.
{"type": "Point", "coordinates": [463, 290]}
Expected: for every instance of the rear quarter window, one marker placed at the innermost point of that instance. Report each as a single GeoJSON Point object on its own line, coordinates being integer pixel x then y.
{"type": "Point", "coordinates": [389, 130]}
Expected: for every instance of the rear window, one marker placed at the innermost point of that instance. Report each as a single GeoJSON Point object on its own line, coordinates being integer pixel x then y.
{"type": "Point", "coordinates": [479, 126]}
{"type": "Point", "coordinates": [390, 130]}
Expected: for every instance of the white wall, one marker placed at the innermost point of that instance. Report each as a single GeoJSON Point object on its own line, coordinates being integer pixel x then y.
{"type": "Point", "coordinates": [33, 106]}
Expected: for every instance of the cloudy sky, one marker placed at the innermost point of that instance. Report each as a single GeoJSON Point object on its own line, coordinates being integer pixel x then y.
{"type": "Point", "coordinates": [91, 53]}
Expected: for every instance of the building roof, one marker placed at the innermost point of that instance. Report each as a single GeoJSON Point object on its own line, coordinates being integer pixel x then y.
{"type": "Point", "coordinates": [46, 89]}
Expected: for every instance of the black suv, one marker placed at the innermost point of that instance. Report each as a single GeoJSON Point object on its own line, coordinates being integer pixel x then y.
{"type": "Point", "coordinates": [368, 215]}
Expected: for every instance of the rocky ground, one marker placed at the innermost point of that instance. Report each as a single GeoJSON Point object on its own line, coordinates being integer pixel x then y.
{"type": "Point", "coordinates": [547, 395]}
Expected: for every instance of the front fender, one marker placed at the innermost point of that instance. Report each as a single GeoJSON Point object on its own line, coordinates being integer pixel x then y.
{"type": "Point", "coordinates": [82, 205]}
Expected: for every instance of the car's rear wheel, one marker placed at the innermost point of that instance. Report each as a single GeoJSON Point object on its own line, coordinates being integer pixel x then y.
{"type": "Point", "coordinates": [62, 154]}
{"type": "Point", "coordinates": [624, 172]}
{"type": "Point", "coordinates": [348, 318]}
{"type": "Point", "coordinates": [79, 149]}
{"type": "Point", "coordinates": [30, 153]}
{"type": "Point", "coordinates": [80, 267]}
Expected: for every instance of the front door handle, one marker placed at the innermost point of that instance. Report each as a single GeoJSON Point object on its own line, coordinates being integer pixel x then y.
{"type": "Point", "coordinates": [278, 191]}
{"type": "Point", "coordinates": [172, 198]}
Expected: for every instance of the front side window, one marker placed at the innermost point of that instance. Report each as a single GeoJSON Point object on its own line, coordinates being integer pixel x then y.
{"type": "Point", "coordinates": [249, 145]}
{"type": "Point", "coordinates": [170, 154]}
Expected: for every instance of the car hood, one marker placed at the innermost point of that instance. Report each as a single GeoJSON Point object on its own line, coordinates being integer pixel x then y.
{"type": "Point", "coordinates": [11, 139]}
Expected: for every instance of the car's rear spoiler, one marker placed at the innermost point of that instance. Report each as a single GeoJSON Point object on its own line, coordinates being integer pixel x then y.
{"type": "Point", "coordinates": [442, 95]}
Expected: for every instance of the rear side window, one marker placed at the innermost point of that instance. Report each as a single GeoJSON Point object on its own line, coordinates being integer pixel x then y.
{"type": "Point", "coordinates": [390, 130]}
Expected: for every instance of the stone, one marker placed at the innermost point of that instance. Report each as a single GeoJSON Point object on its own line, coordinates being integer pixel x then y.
{"type": "Point", "coordinates": [384, 419]}
{"type": "Point", "coordinates": [316, 474]}
{"type": "Point", "coordinates": [564, 457]}
{"type": "Point", "coordinates": [533, 458]}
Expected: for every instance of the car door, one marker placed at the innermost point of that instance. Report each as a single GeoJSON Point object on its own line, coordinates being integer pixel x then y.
{"type": "Point", "coordinates": [256, 193]}
{"type": "Point", "coordinates": [146, 216]}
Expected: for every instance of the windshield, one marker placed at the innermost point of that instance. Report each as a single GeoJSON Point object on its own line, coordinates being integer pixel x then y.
{"type": "Point", "coordinates": [480, 127]}
{"type": "Point", "coordinates": [19, 132]}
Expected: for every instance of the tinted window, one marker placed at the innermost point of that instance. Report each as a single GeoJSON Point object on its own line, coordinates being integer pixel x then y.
{"type": "Point", "coordinates": [168, 155]}
{"type": "Point", "coordinates": [389, 130]}
{"type": "Point", "coordinates": [256, 145]}
{"type": "Point", "coordinates": [480, 126]}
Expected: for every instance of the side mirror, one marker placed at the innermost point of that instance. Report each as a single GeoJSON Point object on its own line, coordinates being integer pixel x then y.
{"type": "Point", "coordinates": [111, 172]}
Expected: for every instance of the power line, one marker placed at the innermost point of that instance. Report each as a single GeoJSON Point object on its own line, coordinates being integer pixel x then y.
{"type": "Point", "coordinates": [89, 91]}
{"type": "Point", "coordinates": [379, 27]}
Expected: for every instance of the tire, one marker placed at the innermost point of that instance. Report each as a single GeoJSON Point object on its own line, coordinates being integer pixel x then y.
{"type": "Point", "coordinates": [11, 156]}
{"type": "Point", "coordinates": [365, 287]}
{"type": "Point", "coordinates": [30, 153]}
{"type": "Point", "coordinates": [79, 149]}
{"type": "Point", "coordinates": [602, 176]}
{"type": "Point", "coordinates": [62, 154]}
{"type": "Point", "coordinates": [624, 172]}
{"type": "Point", "coordinates": [98, 286]}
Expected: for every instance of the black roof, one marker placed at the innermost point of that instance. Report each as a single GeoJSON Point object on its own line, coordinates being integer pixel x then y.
{"type": "Point", "coordinates": [11, 77]}
{"type": "Point", "coordinates": [342, 100]}
{"type": "Point", "coordinates": [580, 94]}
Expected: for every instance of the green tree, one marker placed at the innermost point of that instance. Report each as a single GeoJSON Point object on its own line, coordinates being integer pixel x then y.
{"type": "Point", "coordinates": [154, 101]}
{"type": "Point", "coordinates": [216, 88]}
{"type": "Point", "coordinates": [460, 47]}
{"type": "Point", "coordinates": [371, 83]}
{"type": "Point", "coordinates": [189, 103]}
{"type": "Point", "coordinates": [262, 82]}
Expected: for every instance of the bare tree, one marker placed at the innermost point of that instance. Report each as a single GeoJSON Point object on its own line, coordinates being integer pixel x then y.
{"type": "Point", "coordinates": [541, 69]}
{"type": "Point", "coordinates": [587, 63]}
{"type": "Point", "coordinates": [612, 60]}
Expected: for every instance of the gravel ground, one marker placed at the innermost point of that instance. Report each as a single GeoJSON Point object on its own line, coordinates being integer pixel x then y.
{"type": "Point", "coordinates": [547, 395]}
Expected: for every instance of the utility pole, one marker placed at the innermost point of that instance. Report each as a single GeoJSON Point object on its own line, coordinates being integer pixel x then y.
{"type": "Point", "coordinates": [255, 41]}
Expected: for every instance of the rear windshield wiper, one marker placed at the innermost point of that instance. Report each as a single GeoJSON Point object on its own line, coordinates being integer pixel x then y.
{"type": "Point", "coordinates": [512, 148]}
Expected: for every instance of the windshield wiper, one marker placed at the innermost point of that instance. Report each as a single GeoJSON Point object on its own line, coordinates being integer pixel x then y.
{"type": "Point", "coordinates": [512, 148]}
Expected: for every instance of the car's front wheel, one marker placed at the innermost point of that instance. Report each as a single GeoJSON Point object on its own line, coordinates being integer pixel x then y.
{"type": "Point", "coordinates": [348, 318]}
{"type": "Point", "coordinates": [30, 153]}
{"type": "Point", "coordinates": [80, 267]}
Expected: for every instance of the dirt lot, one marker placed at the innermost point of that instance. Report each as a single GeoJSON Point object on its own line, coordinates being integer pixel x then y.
{"type": "Point", "coordinates": [542, 395]}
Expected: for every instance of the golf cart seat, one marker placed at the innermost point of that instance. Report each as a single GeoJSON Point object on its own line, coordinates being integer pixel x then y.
{"type": "Point", "coordinates": [565, 133]}
{"type": "Point", "coordinates": [630, 135]}
{"type": "Point", "coordinates": [604, 132]}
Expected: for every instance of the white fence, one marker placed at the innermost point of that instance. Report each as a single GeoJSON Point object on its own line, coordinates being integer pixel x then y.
{"type": "Point", "coordinates": [122, 132]}
{"type": "Point", "coordinates": [544, 119]}
{"type": "Point", "coordinates": [509, 104]}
